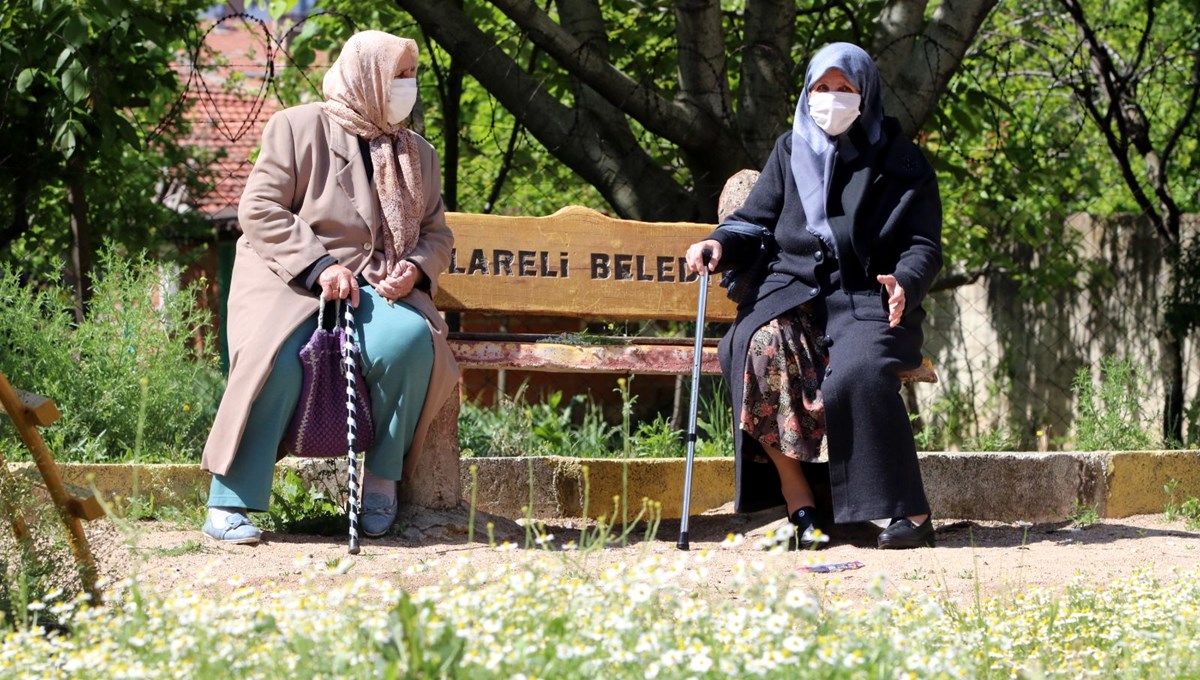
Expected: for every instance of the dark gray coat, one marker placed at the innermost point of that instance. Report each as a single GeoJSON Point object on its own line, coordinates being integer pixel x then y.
{"type": "Point", "coordinates": [885, 213]}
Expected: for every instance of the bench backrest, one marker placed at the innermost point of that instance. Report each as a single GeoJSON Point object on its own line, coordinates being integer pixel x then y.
{"type": "Point", "coordinates": [576, 262]}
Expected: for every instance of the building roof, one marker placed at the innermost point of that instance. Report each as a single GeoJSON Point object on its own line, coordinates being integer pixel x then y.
{"type": "Point", "coordinates": [229, 98]}
{"type": "Point", "coordinates": [227, 127]}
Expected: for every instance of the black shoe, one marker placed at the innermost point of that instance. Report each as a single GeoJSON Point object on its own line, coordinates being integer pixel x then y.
{"type": "Point", "coordinates": [903, 534]}
{"type": "Point", "coordinates": [804, 519]}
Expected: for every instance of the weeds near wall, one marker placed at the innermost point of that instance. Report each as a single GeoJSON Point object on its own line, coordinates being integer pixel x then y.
{"type": "Point", "coordinates": [1187, 510]}
{"type": "Point", "coordinates": [1108, 413]}
{"type": "Point", "coordinates": [577, 427]}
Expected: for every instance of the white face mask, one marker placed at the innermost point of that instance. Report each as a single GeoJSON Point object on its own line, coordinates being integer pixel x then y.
{"type": "Point", "coordinates": [401, 98]}
{"type": "Point", "coordinates": [834, 112]}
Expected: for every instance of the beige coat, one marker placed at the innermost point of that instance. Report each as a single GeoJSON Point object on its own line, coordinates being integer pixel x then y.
{"type": "Point", "coordinates": [309, 195]}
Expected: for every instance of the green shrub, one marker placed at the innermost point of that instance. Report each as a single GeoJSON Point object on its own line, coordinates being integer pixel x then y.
{"type": "Point", "coordinates": [138, 379]}
{"type": "Point", "coordinates": [577, 427]}
{"type": "Point", "coordinates": [1108, 415]}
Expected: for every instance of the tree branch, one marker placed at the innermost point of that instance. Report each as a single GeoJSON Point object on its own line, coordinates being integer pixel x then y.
{"type": "Point", "coordinates": [679, 122]}
{"type": "Point", "coordinates": [1132, 127]}
{"type": "Point", "coordinates": [896, 31]}
{"type": "Point", "coordinates": [948, 280]}
{"type": "Point", "coordinates": [634, 186]}
{"type": "Point", "coordinates": [913, 87]}
{"type": "Point", "coordinates": [1189, 112]}
{"type": "Point", "coordinates": [765, 91]}
{"type": "Point", "coordinates": [1145, 39]}
{"type": "Point", "coordinates": [703, 75]}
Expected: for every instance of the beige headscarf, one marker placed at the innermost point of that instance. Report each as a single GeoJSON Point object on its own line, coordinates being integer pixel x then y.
{"type": "Point", "coordinates": [356, 92]}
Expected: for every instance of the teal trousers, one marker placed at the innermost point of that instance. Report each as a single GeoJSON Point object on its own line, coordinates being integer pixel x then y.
{"type": "Point", "coordinates": [397, 358]}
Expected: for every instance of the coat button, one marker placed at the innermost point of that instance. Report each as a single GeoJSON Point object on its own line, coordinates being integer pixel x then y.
{"type": "Point", "coordinates": [828, 341]}
{"type": "Point", "coordinates": [828, 372]}
{"type": "Point", "coordinates": [819, 257]}
{"type": "Point", "coordinates": [815, 291]}
{"type": "Point", "coordinates": [367, 246]}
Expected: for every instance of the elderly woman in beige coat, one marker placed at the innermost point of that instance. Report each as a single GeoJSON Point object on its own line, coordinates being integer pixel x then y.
{"type": "Point", "coordinates": [344, 200]}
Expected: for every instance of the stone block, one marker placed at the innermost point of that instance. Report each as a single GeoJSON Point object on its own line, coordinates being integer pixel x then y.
{"type": "Point", "coordinates": [1006, 487]}
{"type": "Point", "coordinates": [559, 485]}
{"type": "Point", "coordinates": [1136, 480]}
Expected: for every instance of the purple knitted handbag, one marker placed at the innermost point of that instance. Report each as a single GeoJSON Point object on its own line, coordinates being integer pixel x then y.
{"type": "Point", "coordinates": [318, 427]}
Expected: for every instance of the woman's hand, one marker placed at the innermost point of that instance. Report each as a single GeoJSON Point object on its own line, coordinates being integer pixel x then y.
{"type": "Point", "coordinates": [338, 283]}
{"type": "Point", "coordinates": [895, 298]}
{"type": "Point", "coordinates": [695, 255]}
{"type": "Point", "coordinates": [401, 282]}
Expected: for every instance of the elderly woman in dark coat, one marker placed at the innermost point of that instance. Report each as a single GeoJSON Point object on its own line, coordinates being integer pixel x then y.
{"type": "Point", "coordinates": [853, 210]}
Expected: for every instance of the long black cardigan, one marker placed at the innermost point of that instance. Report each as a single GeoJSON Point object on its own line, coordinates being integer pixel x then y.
{"type": "Point", "coordinates": [885, 214]}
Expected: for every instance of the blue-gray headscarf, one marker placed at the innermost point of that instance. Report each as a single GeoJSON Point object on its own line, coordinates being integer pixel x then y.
{"type": "Point", "coordinates": [813, 151]}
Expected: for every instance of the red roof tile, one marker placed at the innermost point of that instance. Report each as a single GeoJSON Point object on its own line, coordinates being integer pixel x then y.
{"type": "Point", "coordinates": [230, 98]}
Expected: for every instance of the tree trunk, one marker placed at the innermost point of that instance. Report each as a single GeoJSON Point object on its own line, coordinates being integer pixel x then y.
{"type": "Point", "coordinates": [765, 100]}
{"type": "Point", "coordinates": [635, 184]}
{"type": "Point", "coordinates": [450, 89]}
{"type": "Point", "coordinates": [916, 67]}
{"type": "Point", "coordinates": [1170, 346]}
{"type": "Point", "coordinates": [81, 235]}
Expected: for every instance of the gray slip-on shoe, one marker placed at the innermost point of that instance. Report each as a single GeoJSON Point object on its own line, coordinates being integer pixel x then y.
{"type": "Point", "coordinates": [378, 514]}
{"type": "Point", "coordinates": [237, 530]}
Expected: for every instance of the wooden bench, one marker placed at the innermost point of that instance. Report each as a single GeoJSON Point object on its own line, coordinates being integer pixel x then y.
{"type": "Point", "coordinates": [575, 263]}
{"type": "Point", "coordinates": [579, 263]}
{"type": "Point", "coordinates": [28, 412]}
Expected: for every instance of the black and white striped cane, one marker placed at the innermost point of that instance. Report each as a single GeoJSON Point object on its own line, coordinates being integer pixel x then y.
{"type": "Point", "coordinates": [349, 358]}
{"type": "Point", "coordinates": [697, 356]}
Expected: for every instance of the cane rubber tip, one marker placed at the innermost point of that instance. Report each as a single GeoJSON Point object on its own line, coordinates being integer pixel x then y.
{"type": "Point", "coordinates": [353, 550]}
{"type": "Point", "coordinates": [683, 542]}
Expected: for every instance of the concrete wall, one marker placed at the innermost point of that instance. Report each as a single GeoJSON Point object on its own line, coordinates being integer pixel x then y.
{"type": "Point", "coordinates": [1012, 359]}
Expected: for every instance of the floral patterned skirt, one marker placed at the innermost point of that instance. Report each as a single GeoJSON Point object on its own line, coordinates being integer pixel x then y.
{"type": "Point", "coordinates": [781, 399]}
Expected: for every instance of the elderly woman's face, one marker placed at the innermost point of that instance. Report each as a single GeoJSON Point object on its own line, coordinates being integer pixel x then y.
{"type": "Point", "coordinates": [833, 80]}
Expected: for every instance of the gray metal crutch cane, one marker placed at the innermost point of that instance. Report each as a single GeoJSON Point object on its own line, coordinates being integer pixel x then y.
{"type": "Point", "coordinates": [697, 354]}
{"type": "Point", "coordinates": [350, 357]}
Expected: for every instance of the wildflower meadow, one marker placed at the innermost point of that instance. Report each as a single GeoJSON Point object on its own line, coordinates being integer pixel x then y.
{"type": "Point", "coordinates": [652, 617]}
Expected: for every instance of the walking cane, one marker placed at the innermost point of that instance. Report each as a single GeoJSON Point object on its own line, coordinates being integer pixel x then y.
{"type": "Point", "coordinates": [697, 354]}
{"type": "Point", "coordinates": [350, 358]}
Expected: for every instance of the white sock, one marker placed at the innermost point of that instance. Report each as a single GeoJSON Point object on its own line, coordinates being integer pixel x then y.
{"type": "Point", "coordinates": [218, 515]}
{"type": "Point", "coordinates": [379, 485]}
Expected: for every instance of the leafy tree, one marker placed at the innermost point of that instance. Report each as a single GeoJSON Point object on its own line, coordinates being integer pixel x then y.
{"type": "Point", "coordinates": [1110, 95]}
{"type": "Point", "coordinates": [86, 84]}
{"type": "Point", "coordinates": [655, 104]}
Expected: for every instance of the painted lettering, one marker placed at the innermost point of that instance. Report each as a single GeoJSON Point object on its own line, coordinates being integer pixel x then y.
{"type": "Point", "coordinates": [623, 267]}
{"type": "Point", "coordinates": [600, 266]}
{"type": "Point", "coordinates": [454, 268]}
{"type": "Point", "coordinates": [689, 276]}
{"type": "Point", "coordinates": [478, 262]}
{"type": "Point", "coordinates": [665, 271]}
{"type": "Point", "coordinates": [642, 275]}
{"type": "Point", "coordinates": [502, 262]}
{"type": "Point", "coordinates": [545, 270]}
{"type": "Point", "coordinates": [525, 265]}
